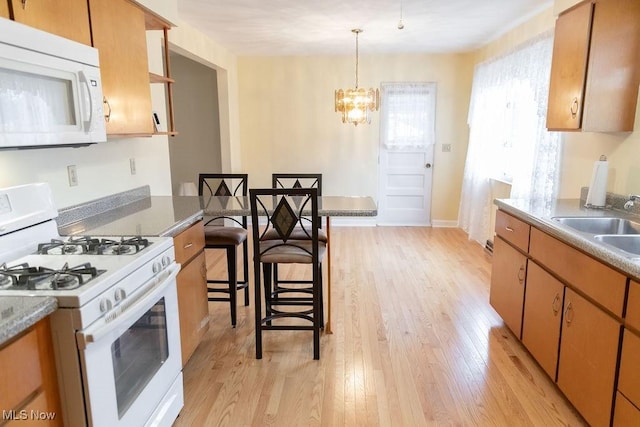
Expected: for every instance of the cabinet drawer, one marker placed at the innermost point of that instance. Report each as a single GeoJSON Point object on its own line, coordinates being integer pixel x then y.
{"type": "Point", "coordinates": [598, 281]}
{"type": "Point", "coordinates": [626, 414]}
{"type": "Point", "coordinates": [513, 230]}
{"type": "Point", "coordinates": [20, 371]}
{"type": "Point", "coordinates": [40, 405]}
{"type": "Point", "coordinates": [629, 378]}
{"type": "Point", "coordinates": [189, 243]}
{"type": "Point", "coordinates": [632, 317]}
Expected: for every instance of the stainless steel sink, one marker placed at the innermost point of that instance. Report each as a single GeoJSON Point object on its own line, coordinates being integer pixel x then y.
{"type": "Point", "coordinates": [601, 225]}
{"type": "Point", "coordinates": [627, 243]}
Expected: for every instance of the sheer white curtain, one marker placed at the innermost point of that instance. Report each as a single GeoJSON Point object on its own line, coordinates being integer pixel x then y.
{"type": "Point", "coordinates": [407, 110]}
{"type": "Point", "coordinates": [508, 139]}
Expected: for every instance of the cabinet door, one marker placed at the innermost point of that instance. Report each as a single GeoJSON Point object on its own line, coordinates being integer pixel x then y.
{"type": "Point", "coordinates": [119, 33]}
{"type": "Point", "coordinates": [629, 377]}
{"type": "Point", "coordinates": [568, 68]}
{"type": "Point", "coordinates": [66, 18]}
{"type": "Point", "coordinates": [542, 315]}
{"type": "Point", "coordinates": [588, 353]}
{"type": "Point", "coordinates": [626, 414]}
{"type": "Point", "coordinates": [4, 9]}
{"type": "Point", "coordinates": [507, 284]}
{"type": "Point", "coordinates": [193, 305]}
{"type": "Point", "coordinates": [611, 92]}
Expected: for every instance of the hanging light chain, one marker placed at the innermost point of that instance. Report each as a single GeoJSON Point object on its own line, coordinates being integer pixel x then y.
{"type": "Point", "coordinates": [357, 33]}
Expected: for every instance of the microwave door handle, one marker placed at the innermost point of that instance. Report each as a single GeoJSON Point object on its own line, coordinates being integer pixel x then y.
{"type": "Point", "coordinates": [87, 123]}
{"type": "Point", "coordinates": [130, 314]}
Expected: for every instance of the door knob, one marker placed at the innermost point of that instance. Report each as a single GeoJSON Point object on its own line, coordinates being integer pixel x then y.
{"type": "Point", "coordinates": [428, 165]}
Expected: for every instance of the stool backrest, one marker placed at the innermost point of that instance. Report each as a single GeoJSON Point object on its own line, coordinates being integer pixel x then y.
{"type": "Point", "coordinates": [225, 185]}
{"type": "Point", "coordinates": [297, 180]}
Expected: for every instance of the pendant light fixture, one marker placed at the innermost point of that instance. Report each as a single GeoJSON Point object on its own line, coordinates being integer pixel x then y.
{"type": "Point", "coordinates": [356, 105]}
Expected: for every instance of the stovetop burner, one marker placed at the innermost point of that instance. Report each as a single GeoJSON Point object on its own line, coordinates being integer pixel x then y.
{"type": "Point", "coordinates": [25, 277]}
{"type": "Point", "coordinates": [93, 246]}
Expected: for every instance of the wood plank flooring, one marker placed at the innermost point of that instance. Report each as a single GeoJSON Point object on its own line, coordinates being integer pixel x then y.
{"type": "Point", "coordinates": [415, 343]}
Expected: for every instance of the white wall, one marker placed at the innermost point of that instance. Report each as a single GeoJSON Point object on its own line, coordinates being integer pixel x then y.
{"type": "Point", "coordinates": [288, 122]}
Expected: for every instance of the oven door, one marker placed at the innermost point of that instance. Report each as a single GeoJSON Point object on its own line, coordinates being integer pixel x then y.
{"type": "Point", "coordinates": [131, 360]}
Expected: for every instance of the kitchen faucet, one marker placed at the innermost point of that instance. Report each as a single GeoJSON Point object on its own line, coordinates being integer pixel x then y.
{"type": "Point", "coordinates": [632, 198]}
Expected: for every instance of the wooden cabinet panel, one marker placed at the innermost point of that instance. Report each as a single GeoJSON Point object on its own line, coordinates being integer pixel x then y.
{"type": "Point", "coordinates": [189, 242]}
{"type": "Point", "coordinates": [513, 230]}
{"type": "Point", "coordinates": [613, 74]}
{"type": "Point", "coordinates": [17, 384]}
{"type": "Point", "coordinates": [629, 378]}
{"type": "Point", "coordinates": [542, 315]}
{"type": "Point", "coordinates": [33, 385]}
{"type": "Point", "coordinates": [594, 87]}
{"type": "Point", "coordinates": [507, 284]}
{"type": "Point", "coordinates": [588, 354]}
{"type": "Point", "coordinates": [625, 414]}
{"type": "Point", "coordinates": [66, 18]}
{"type": "Point", "coordinates": [4, 9]}
{"type": "Point", "coordinates": [119, 32]}
{"type": "Point", "coordinates": [598, 281]}
{"type": "Point", "coordinates": [193, 305]}
{"type": "Point", "coordinates": [568, 68]}
{"type": "Point", "coordinates": [632, 316]}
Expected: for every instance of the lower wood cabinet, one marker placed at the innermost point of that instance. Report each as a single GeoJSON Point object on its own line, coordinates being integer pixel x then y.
{"type": "Point", "coordinates": [28, 383]}
{"type": "Point", "coordinates": [626, 414]}
{"type": "Point", "coordinates": [508, 283]}
{"type": "Point", "coordinates": [193, 305]}
{"type": "Point", "coordinates": [542, 316]}
{"type": "Point", "coordinates": [588, 356]}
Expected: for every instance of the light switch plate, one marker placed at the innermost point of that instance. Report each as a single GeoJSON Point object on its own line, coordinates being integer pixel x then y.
{"type": "Point", "coordinates": [446, 148]}
{"type": "Point", "coordinates": [73, 175]}
{"type": "Point", "coordinates": [132, 165]}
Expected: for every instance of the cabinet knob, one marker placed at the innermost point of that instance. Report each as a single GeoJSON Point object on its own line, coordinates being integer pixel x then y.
{"type": "Point", "coordinates": [24, 4]}
{"type": "Point", "coordinates": [107, 109]}
{"type": "Point", "coordinates": [521, 274]}
{"type": "Point", "coordinates": [574, 108]}
{"type": "Point", "coordinates": [568, 314]}
{"type": "Point", "coordinates": [555, 305]}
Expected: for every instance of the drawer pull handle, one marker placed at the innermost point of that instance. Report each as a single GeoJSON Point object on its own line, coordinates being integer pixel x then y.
{"type": "Point", "coordinates": [574, 108]}
{"type": "Point", "coordinates": [187, 246]}
{"type": "Point", "coordinates": [555, 305]}
{"type": "Point", "coordinates": [509, 229]}
{"type": "Point", "coordinates": [521, 274]}
{"type": "Point", "coordinates": [568, 314]}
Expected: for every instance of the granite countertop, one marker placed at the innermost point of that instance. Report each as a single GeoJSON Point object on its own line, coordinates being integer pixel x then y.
{"type": "Point", "coordinates": [19, 313]}
{"type": "Point", "coordinates": [540, 214]}
{"type": "Point", "coordinates": [148, 216]}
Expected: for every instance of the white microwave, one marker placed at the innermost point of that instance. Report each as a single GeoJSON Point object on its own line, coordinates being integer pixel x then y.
{"type": "Point", "coordinates": [50, 90]}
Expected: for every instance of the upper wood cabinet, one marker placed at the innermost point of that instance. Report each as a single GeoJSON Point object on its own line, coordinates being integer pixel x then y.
{"type": "Point", "coordinates": [119, 33]}
{"type": "Point", "coordinates": [593, 86]}
{"type": "Point", "coordinates": [66, 18]}
{"type": "Point", "coordinates": [4, 10]}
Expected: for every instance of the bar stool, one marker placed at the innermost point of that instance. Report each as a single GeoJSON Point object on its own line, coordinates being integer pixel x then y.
{"type": "Point", "coordinates": [220, 236]}
{"type": "Point", "coordinates": [287, 210]}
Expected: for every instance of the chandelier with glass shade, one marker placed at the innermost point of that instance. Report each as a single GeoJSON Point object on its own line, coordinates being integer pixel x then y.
{"type": "Point", "coordinates": [356, 104]}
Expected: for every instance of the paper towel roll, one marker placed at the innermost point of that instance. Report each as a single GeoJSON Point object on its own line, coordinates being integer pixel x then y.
{"type": "Point", "coordinates": [597, 195]}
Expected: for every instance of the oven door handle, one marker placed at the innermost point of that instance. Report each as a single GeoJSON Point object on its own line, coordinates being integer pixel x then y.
{"type": "Point", "coordinates": [130, 310]}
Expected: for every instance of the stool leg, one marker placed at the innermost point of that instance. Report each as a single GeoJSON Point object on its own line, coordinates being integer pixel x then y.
{"type": "Point", "coordinates": [267, 272]}
{"type": "Point", "coordinates": [316, 313]}
{"type": "Point", "coordinates": [258, 308]}
{"type": "Point", "coordinates": [245, 266]}
{"type": "Point", "coordinates": [233, 282]}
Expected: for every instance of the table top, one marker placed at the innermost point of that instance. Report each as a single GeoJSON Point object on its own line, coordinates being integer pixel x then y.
{"type": "Point", "coordinates": [327, 206]}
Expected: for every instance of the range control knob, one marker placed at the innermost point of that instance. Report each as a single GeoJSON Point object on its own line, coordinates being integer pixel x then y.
{"type": "Point", "coordinates": [119, 294]}
{"type": "Point", "coordinates": [166, 261]}
{"type": "Point", "coordinates": [105, 305]}
{"type": "Point", "coordinates": [157, 267]}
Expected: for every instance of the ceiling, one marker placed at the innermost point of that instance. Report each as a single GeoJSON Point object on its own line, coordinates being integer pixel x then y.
{"type": "Point", "coordinates": [323, 27]}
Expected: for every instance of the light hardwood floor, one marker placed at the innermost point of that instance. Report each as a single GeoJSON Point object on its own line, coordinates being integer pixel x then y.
{"type": "Point", "coordinates": [415, 343]}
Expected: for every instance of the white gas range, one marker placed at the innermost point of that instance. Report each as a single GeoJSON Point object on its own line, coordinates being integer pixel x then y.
{"type": "Point", "coordinates": [116, 331]}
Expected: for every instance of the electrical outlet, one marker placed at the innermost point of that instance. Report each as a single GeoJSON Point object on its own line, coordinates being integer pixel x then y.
{"type": "Point", "coordinates": [73, 175]}
{"type": "Point", "coordinates": [446, 148]}
{"type": "Point", "coordinates": [132, 165]}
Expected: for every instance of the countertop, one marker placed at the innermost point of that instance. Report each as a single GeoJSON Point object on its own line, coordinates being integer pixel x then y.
{"type": "Point", "coordinates": [150, 216]}
{"type": "Point", "coordinates": [540, 214]}
{"type": "Point", "coordinates": [19, 313]}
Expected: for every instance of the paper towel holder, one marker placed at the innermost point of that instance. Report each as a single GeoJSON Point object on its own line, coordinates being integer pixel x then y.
{"type": "Point", "coordinates": [599, 180]}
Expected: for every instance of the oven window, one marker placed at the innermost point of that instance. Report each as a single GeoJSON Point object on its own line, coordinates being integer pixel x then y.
{"type": "Point", "coordinates": [138, 354]}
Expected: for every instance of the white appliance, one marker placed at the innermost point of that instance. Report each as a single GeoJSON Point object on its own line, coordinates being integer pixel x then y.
{"type": "Point", "coordinates": [50, 90]}
{"type": "Point", "coordinates": [116, 331]}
